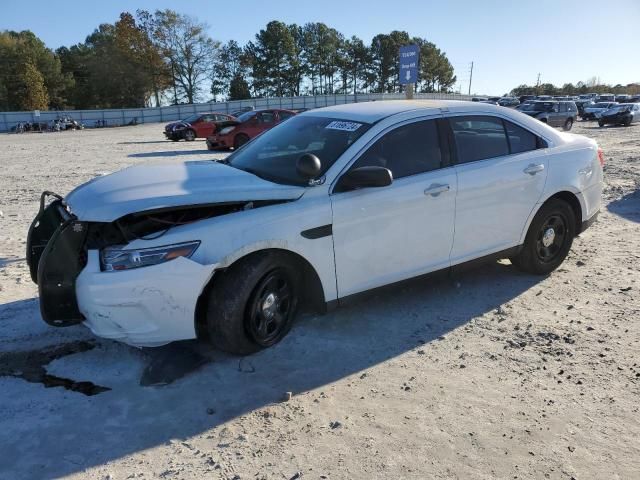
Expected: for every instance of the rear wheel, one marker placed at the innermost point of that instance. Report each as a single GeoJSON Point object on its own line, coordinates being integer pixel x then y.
{"type": "Point", "coordinates": [252, 304]}
{"type": "Point", "coordinates": [627, 122]}
{"type": "Point", "coordinates": [189, 135]}
{"type": "Point", "coordinates": [240, 140]}
{"type": "Point", "coordinates": [568, 124]}
{"type": "Point", "coordinates": [548, 239]}
{"type": "Point", "coordinates": [600, 123]}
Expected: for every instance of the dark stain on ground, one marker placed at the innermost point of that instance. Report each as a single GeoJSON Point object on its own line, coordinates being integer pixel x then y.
{"type": "Point", "coordinates": [30, 366]}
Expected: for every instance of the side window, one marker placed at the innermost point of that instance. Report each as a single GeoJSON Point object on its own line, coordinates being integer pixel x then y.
{"type": "Point", "coordinates": [563, 107]}
{"type": "Point", "coordinates": [520, 140]}
{"type": "Point", "coordinates": [407, 150]}
{"type": "Point", "coordinates": [206, 118]}
{"type": "Point", "coordinates": [266, 117]}
{"type": "Point", "coordinates": [479, 138]}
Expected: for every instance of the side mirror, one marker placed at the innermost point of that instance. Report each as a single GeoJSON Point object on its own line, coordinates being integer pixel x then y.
{"type": "Point", "coordinates": [308, 166]}
{"type": "Point", "coordinates": [364, 177]}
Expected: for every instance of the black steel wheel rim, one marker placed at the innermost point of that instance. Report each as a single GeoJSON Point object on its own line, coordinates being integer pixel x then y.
{"type": "Point", "coordinates": [551, 238]}
{"type": "Point", "coordinates": [271, 308]}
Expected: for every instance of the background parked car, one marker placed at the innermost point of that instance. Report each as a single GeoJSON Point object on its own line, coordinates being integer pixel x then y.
{"type": "Point", "coordinates": [606, 97]}
{"type": "Point", "coordinates": [593, 112]}
{"type": "Point", "coordinates": [247, 126]}
{"type": "Point", "coordinates": [65, 122]}
{"type": "Point", "coordinates": [555, 114]}
{"type": "Point", "coordinates": [524, 98]}
{"type": "Point", "coordinates": [622, 114]}
{"type": "Point", "coordinates": [582, 104]}
{"type": "Point", "coordinates": [508, 102]}
{"type": "Point", "coordinates": [199, 125]}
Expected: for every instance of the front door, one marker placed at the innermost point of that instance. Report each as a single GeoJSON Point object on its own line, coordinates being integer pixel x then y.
{"type": "Point", "coordinates": [204, 126]}
{"type": "Point", "coordinates": [386, 234]}
{"type": "Point", "coordinates": [501, 176]}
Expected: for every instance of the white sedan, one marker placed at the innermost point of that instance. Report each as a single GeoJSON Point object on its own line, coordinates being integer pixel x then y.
{"type": "Point", "coordinates": [332, 203]}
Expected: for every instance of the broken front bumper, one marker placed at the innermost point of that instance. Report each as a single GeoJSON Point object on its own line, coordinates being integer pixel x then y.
{"type": "Point", "coordinates": [148, 306]}
{"type": "Point", "coordinates": [55, 256]}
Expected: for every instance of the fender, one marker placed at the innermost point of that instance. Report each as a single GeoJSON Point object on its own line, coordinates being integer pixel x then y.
{"type": "Point", "coordinates": [328, 281]}
{"type": "Point", "coordinates": [568, 189]}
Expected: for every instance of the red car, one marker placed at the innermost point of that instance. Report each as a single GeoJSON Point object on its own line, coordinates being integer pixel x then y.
{"type": "Point", "coordinates": [247, 126]}
{"type": "Point", "coordinates": [199, 125]}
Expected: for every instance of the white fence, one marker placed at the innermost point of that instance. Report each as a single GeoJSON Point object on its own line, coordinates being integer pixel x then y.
{"type": "Point", "coordinates": [119, 117]}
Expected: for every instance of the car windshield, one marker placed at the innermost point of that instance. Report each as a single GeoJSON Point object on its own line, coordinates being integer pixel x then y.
{"type": "Point", "coordinates": [274, 154]}
{"type": "Point", "coordinates": [191, 118]}
{"type": "Point", "coordinates": [539, 107]}
{"type": "Point", "coordinates": [619, 108]}
{"type": "Point", "coordinates": [246, 116]}
{"type": "Point", "coordinates": [602, 105]}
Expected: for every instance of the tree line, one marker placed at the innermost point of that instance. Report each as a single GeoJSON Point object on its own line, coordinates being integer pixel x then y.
{"type": "Point", "coordinates": [592, 85]}
{"type": "Point", "coordinates": [164, 57]}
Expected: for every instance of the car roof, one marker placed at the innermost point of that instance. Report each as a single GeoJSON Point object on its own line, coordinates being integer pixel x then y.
{"type": "Point", "coordinates": [372, 112]}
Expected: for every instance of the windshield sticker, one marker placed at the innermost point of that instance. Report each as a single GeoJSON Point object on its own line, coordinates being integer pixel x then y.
{"type": "Point", "coordinates": [344, 126]}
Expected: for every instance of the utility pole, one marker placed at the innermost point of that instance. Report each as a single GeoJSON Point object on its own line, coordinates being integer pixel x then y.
{"type": "Point", "coordinates": [538, 84]}
{"type": "Point", "coordinates": [470, 78]}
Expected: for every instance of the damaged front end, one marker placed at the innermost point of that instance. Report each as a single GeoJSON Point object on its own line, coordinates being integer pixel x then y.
{"type": "Point", "coordinates": [59, 246]}
{"type": "Point", "coordinates": [56, 256]}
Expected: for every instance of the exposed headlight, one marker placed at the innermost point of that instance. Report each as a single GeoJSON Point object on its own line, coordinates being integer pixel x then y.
{"type": "Point", "coordinates": [115, 258]}
{"type": "Point", "coordinates": [226, 130]}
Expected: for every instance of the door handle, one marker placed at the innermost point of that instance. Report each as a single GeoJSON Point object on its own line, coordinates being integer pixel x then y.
{"type": "Point", "coordinates": [533, 168]}
{"type": "Point", "coordinates": [436, 189]}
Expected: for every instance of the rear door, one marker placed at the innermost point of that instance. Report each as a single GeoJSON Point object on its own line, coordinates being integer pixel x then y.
{"type": "Point", "coordinates": [386, 234]}
{"type": "Point", "coordinates": [501, 170]}
{"type": "Point", "coordinates": [563, 114]}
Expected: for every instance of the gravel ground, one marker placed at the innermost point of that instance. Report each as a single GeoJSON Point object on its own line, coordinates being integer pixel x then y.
{"type": "Point", "coordinates": [492, 374]}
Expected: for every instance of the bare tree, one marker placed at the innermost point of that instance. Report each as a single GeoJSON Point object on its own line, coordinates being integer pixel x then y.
{"type": "Point", "coordinates": [188, 49]}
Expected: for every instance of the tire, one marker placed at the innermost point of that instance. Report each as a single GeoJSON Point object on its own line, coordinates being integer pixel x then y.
{"type": "Point", "coordinates": [189, 135]}
{"type": "Point", "coordinates": [240, 140]}
{"type": "Point", "coordinates": [627, 122]}
{"type": "Point", "coordinates": [555, 222]}
{"type": "Point", "coordinates": [600, 123]}
{"type": "Point", "coordinates": [568, 124]}
{"type": "Point", "coordinates": [252, 304]}
{"type": "Point", "coordinates": [544, 120]}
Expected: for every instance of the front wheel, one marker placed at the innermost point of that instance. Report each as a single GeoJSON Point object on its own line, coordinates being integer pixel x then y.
{"type": "Point", "coordinates": [189, 135]}
{"type": "Point", "coordinates": [240, 140]}
{"type": "Point", "coordinates": [252, 304]}
{"type": "Point", "coordinates": [568, 124]}
{"type": "Point", "coordinates": [548, 239]}
{"type": "Point", "coordinates": [600, 123]}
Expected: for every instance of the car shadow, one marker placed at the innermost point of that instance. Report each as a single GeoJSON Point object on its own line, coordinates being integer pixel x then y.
{"type": "Point", "coordinates": [597, 127]}
{"type": "Point", "coordinates": [4, 261]}
{"type": "Point", "coordinates": [144, 142]}
{"type": "Point", "coordinates": [73, 431]}
{"type": "Point", "coordinates": [170, 153]}
{"type": "Point", "coordinates": [627, 207]}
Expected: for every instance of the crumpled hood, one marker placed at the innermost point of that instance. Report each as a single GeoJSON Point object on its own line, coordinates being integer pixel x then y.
{"type": "Point", "coordinates": [151, 187]}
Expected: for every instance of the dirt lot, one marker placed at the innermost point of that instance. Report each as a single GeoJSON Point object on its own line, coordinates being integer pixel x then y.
{"type": "Point", "coordinates": [493, 374]}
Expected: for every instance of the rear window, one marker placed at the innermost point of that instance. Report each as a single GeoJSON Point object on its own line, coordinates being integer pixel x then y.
{"type": "Point", "coordinates": [520, 139]}
{"type": "Point", "coordinates": [483, 137]}
{"type": "Point", "coordinates": [479, 138]}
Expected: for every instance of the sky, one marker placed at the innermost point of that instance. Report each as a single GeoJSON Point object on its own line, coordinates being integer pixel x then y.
{"type": "Point", "coordinates": [510, 42]}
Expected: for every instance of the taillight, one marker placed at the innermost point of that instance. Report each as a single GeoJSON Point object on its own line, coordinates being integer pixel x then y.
{"type": "Point", "coordinates": [601, 157]}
